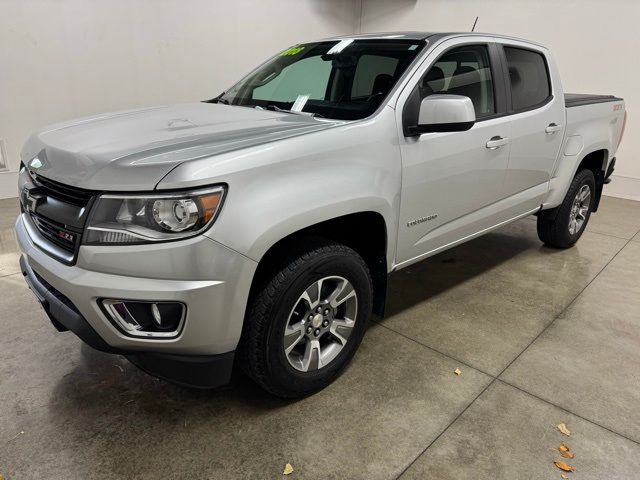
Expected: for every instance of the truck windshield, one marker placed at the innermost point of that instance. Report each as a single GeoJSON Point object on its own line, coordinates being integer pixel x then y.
{"type": "Point", "coordinates": [344, 79]}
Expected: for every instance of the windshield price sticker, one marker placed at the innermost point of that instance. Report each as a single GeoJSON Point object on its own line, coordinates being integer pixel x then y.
{"type": "Point", "coordinates": [292, 51]}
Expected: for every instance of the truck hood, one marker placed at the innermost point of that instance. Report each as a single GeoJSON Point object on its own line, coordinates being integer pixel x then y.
{"type": "Point", "coordinates": [135, 149]}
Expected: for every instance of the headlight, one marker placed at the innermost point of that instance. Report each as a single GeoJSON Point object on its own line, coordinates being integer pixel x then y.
{"type": "Point", "coordinates": [131, 219]}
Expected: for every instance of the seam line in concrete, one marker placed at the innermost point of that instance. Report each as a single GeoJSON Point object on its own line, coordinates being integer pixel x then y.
{"type": "Point", "coordinates": [540, 333]}
{"type": "Point", "coordinates": [457, 360]}
{"type": "Point", "coordinates": [622, 435]}
{"type": "Point", "coordinates": [512, 361]}
{"type": "Point", "coordinates": [10, 274]}
{"type": "Point", "coordinates": [493, 380]}
{"type": "Point", "coordinates": [608, 234]}
{"type": "Point", "coordinates": [564, 309]}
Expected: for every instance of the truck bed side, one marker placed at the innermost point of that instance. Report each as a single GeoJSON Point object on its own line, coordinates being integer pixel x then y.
{"type": "Point", "coordinates": [593, 126]}
{"type": "Point", "coordinates": [581, 99]}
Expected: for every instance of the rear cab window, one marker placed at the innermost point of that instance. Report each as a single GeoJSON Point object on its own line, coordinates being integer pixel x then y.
{"type": "Point", "coordinates": [529, 78]}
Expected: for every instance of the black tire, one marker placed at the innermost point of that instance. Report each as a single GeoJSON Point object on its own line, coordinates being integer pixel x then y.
{"type": "Point", "coordinates": [261, 349]}
{"type": "Point", "coordinates": [553, 224]}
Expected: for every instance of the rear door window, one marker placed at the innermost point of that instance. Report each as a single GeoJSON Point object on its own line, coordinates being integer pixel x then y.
{"type": "Point", "coordinates": [529, 77]}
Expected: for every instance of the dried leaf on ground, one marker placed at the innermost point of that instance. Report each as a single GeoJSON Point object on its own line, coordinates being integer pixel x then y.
{"type": "Point", "coordinates": [564, 476]}
{"type": "Point", "coordinates": [1, 477]}
{"type": "Point", "coordinates": [288, 469]}
{"type": "Point", "coordinates": [564, 466]}
{"type": "Point", "coordinates": [566, 451]}
{"type": "Point", "coordinates": [457, 371]}
{"type": "Point", "coordinates": [563, 428]}
{"type": "Point", "coordinates": [15, 436]}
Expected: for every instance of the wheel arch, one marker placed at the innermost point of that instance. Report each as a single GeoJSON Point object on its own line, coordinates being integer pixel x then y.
{"type": "Point", "coordinates": [365, 232]}
{"type": "Point", "coordinates": [596, 161]}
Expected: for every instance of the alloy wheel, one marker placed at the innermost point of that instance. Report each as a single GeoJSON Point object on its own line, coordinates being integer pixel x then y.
{"type": "Point", "coordinates": [579, 209]}
{"type": "Point", "coordinates": [320, 323]}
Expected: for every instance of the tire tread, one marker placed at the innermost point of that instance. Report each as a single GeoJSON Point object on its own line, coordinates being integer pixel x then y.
{"type": "Point", "coordinates": [552, 227]}
{"type": "Point", "coordinates": [253, 356]}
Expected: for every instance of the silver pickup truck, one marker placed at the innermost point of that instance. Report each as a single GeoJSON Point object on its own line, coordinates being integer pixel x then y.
{"type": "Point", "coordinates": [258, 228]}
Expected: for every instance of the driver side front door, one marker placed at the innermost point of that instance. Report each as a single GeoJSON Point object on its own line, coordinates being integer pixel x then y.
{"type": "Point", "coordinates": [452, 183]}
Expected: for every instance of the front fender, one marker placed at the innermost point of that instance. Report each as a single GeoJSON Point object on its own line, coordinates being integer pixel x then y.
{"type": "Point", "coordinates": [285, 186]}
{"type": "Point", "coordinates": [258, 215]}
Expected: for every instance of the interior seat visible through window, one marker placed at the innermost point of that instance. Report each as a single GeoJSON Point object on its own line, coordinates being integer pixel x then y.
{"type": "Point", "coordinates": [433, 81]}
{"type": "Point", "coordinates": [463, 71]}
{"type": "Point", "coordinates": [466, 81]}
{"type": "Point", "coordinates": [529, 76]}
{"type": "Point", "coordinates": [382, 84]}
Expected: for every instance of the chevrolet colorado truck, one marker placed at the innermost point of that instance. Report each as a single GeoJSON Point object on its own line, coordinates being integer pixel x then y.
{"type": "Point", "coordinates": [258, 228]}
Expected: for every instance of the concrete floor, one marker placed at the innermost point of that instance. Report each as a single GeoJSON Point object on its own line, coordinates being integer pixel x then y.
{"type": "Point", "coordinates": [541, 336]}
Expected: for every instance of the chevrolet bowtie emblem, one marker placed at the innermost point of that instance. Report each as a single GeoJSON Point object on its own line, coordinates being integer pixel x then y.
{"type": "Point", "coordinates": [30, 199]}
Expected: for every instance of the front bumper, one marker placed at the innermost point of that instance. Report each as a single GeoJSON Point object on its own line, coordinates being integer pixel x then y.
{"type": "Point", "coordinates": [212, 280]}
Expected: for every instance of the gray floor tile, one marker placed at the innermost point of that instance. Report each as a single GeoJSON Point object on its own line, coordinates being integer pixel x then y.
{"type": "Point", "coordinates": [507, 434]}
{"type": "Point", "coordinates": [588, 361]}
{"type": "Point", "coordinates": [484, 301]}
{"type": "Point", "coordinates": [8, 249]}
{"type": "Point", "coordinates": [616, 216]}
{"type": "Point", "coordinates": [9, 209]}
{"type": "Point", "coordinates": [85, 414]}
{"type": "Point", "coordinates": [9, 256]}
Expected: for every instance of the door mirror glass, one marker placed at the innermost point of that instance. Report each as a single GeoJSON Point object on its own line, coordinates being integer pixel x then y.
{"type": "Point", "coordinates": [445, 113]}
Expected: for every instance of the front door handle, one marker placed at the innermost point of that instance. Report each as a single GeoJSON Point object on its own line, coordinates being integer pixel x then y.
{"type": "Point", "coordinates": [553, 128]}
{"type": "Point", "coordinates": [497, 142]}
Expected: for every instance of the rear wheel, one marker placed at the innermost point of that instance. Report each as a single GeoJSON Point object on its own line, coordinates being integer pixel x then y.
{"type": "Point", "coordinates": [306, 322]}
{"type": "Point", "coordinates": [561, 227]}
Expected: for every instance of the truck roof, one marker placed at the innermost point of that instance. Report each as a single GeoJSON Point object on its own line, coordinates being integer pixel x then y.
{"type": "Point", "coordinates": [415, 35]}
{"type": "Point", "coordinates": [408, 35]}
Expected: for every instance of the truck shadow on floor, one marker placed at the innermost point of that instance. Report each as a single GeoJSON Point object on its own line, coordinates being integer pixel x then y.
{"type": "Point", "coordinates": [102, 381]}
{"type": "Point", "coordinates": [436, 275]}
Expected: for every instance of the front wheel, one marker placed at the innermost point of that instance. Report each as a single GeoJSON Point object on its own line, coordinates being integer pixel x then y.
{"type": "Point", "coordinates": [561, 227]}
{"type": "Point", "coordinates": [305, 324]}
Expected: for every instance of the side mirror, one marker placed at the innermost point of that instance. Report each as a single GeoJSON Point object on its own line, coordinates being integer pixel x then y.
{"type": "Point", "coordinates": [445, 113]}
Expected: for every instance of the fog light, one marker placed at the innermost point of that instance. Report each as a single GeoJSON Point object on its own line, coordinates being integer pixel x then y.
{"type": "Point", "coordinates": [155, 311]}
{"type": "Point", "coordinates": [146, 319]}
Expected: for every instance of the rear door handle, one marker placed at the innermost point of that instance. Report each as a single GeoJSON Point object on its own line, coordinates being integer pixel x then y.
{"type": "Point", "coordinates": [553, 128]}
{"type": "Point", "coordinates": [497, 142]}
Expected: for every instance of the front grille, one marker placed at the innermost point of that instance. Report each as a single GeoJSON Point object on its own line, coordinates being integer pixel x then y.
{"type": "Point", "coordinates": [58, 212]}
{"type": "Point", "coordinates": [56, 233]}
{"type": "Point", "coordinates": [64, 193]}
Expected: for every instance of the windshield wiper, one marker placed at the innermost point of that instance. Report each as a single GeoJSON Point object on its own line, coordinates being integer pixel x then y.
{"type": "Point", "coordinates": [218, 99]}
{"type": "Point", "coordinates": [276, 108]}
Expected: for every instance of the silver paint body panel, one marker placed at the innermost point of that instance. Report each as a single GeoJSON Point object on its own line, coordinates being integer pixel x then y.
{"type": "Point", "coordinates": [133, 150]}
{"type": "Point", "coordinates": [286, 172]}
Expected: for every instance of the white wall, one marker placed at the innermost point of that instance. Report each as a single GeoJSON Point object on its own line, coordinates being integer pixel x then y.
{"type": "Point", "coordinates": [61, 59]}
{"type": "Point", "coordinates": [596, 45]}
